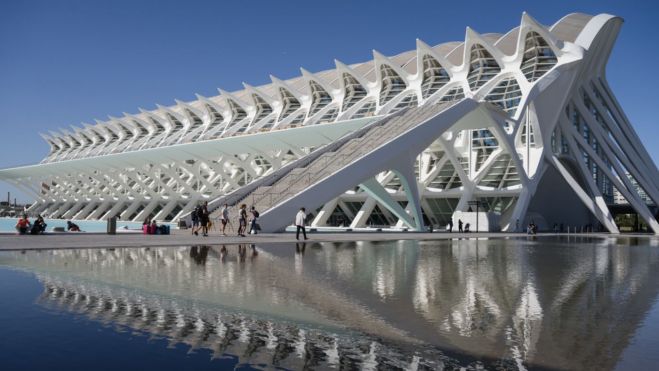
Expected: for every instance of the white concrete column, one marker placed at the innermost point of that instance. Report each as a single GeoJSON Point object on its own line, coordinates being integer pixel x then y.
{"type": "Point", "coordinates": [324, 213]}
{"type": "Point", "coordinates": [380, 194]}
{"type": "Point", "coordinates": [363, 213]}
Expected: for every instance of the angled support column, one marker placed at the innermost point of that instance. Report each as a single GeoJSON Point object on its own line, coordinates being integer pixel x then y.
{"type": "Point", "coordinates": [100, 210]}
{"type": "Point", "coordinates": [325, 213]}
{"type": "Point", "coordinates": [405, 171]}
{"type": "Point", "coordinates": [130, 210]}
{"type": "Point", "coordinates": [363, 213]}
{"type": "Point", "coordinates": [74, 210]}
{"type": "Point", "coordinates": [168, 208]}
{"type": "Point", "coordinates": [82, 214]}
{"type": "Point", "coordinates": [380, 194]}
{"type": "Point", "coordinates": [596, 206]}
{"type": "Point", "coordinates": [114, 210]}
{"type": "Point", "coordinates": [146, 211]}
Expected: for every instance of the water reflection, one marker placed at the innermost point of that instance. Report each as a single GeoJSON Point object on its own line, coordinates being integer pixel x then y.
{"type": "Point", "coordinates": [544, 303]}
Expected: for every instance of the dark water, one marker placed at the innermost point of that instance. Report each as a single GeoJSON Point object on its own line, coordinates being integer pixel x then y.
{"type": "Point", "coordinates": [547, 304]}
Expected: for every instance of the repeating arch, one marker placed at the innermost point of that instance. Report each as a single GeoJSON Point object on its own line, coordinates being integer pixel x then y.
{"type": "Point", "coordinates": [392, 84]}
{"type": "Point", "coordinates": [290, 103]}
{"type": "Point", "coordinates": [482, 67]}
{"type": "Point", "coordinates": [320, 98]}
{"type": "Point", "coordinates": [353, 91]}
{"type": "Point", "coordinates": [434, 76]}
{"type": "Point", "coordinates": [538, 57]}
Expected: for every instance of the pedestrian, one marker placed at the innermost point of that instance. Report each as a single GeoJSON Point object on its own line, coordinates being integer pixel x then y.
{"type": "Point", "coordinates": [252, 225]}
{"type": "Point", "coordinates": [204, 218]}
{"type": "Point", "coordinates": [300, 219]}
{"type": "Point", "coordinates": [195, 220]}
{"type": "Point", "coordinates": [242, 220]}
{"type": "Point", "coordinates": [460, 226]}
{"type": "Point", "coordinates": [225, 218]}
{"type": "Point", "coordinates": [450, 225]}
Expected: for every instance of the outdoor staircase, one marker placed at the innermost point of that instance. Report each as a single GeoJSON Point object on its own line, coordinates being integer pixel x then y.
{"type": "Point", "coordinates": [297, 180]}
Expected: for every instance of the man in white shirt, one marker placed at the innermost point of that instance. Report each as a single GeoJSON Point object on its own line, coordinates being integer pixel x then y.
{"type": "Point", "coordinates": [299, 223]}
{"type": "Point", "coordinates": [225, 218]}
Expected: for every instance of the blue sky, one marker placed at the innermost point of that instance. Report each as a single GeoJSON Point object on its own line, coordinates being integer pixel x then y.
{"type": "Point", "coordinates": [67, 62]}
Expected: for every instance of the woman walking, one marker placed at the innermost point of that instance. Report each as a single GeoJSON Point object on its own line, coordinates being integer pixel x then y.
{"type": "Point", "coordinates": [242, 220]}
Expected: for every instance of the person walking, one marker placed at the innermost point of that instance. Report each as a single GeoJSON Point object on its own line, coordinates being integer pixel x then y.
{"type": "Point", "coordinates": [300, 219]}
{"type": "Point", "coordinates": [252, 225]}
{"type": "Point", "coordinates": [195, 220]}
{"type": "Point", "coordinates": [242, 220]}
{"type": "Point", "coordinates": [225, 218]}
{"type": "Point", "coordinates": [450, 225]}
{"type": "Point", "coordinates": [204, 218]}
{"type": "Point", "coordinates": [460, 226]}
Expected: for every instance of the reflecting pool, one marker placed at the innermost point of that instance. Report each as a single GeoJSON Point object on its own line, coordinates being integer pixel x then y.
{"type": "Point", "coordinates": [509, 304]}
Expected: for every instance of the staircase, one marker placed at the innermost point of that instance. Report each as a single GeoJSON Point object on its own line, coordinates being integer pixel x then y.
{"type": "Point", "coordinates": [298, 179]}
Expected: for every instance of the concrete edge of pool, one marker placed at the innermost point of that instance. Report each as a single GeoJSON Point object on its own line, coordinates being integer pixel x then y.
{"type": "Point", "coordinates": [11, 241]}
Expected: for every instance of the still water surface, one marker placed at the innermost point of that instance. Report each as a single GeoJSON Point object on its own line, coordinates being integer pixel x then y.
{"type": "Point", "coordinates": [515, 304]}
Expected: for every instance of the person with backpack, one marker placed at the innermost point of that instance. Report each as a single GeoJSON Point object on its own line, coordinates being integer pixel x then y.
{"type": "Point", "coordinates": [252, 225]}
{"type": "Point", "coordinates": [195, 220]}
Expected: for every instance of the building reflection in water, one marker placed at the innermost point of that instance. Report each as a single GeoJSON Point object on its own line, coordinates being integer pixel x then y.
{"type": "Point", "coordinates": [524, 302]}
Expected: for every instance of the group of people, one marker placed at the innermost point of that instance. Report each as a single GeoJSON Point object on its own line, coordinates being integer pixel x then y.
{"type": "Point", "coordinates": [151, 227]}
{"type": "Point", "coordinates": [23, 225]}
{"type": "Point", "coordinates": [201, 220]}
{"type": "Point", "coordinates": [462, 227]}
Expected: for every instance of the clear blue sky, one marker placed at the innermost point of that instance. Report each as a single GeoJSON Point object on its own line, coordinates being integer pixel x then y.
{"type": "Point", "coordinates": [67, 62]}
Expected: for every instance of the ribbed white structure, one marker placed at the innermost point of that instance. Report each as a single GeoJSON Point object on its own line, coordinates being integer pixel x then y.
{"type": "Point", "coordinates": [561, 136]}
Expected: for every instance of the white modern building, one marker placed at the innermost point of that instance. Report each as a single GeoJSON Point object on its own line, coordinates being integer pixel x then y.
{"type": "Point", "coordinates": [523, 122]}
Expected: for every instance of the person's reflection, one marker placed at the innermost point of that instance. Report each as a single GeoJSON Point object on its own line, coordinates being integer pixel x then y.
{"type": "Point", "coordinates": [255, 252]}
{"type": "Point", "coordinates": [223, 253]}
{"type": "Point", "coordinates": [242, 252]}
{"type": "Point", "coordinates": [199, 254]}
{"type": "Point", "coordinates": [300, 247]}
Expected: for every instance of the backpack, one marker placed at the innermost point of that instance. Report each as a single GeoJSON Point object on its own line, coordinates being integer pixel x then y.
{"type": "Point", "coordinates": [256, 214]}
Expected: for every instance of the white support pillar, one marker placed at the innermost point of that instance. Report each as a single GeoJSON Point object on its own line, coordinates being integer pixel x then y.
{"type": "Point", "coordinates": [363, 213]}
{"type": "Point", "coordinates": [125, 215]}
{"type": "Point", "coordinates": [325, 213]}
{"type": "Point", "coordinates": [162, 214]}
{"type": "Point", "coordinates": [380, 194]}
{"type": "Point", "coordinates": [146, 211]}
{"type": "Point", "coordinates": [61, 210]}
{"type": "Point", "coordinates": [596, 206]}
{"type": "Point", "coordinates": [82, 214]}
{"type": "Point", "coordinates": [114, 210]}
{"type": "Point", "coordinates": [100, 210]}
{"type": "Point", "coordinates": [73, 210]}
{"type": "Point", "coordinates": [405, 171]}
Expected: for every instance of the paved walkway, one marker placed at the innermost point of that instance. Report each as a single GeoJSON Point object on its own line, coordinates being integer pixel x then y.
{"type": "Point", "coordinates": [183, 238]}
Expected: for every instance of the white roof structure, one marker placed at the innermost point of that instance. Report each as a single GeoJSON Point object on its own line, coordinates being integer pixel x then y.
{"type": "Point", "coordinates": [552, 120]}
